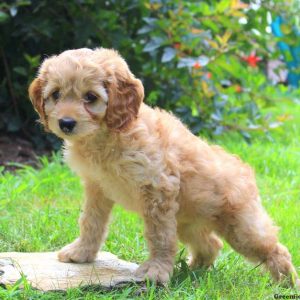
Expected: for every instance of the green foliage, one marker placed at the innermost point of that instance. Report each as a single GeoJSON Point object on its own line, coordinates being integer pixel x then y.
{"type": "Point", "coordinates": [194, 57]}
{"type": "Point", "coordinates": [34, 29]}
{"type": "Point", "coordinates": [210, 61]}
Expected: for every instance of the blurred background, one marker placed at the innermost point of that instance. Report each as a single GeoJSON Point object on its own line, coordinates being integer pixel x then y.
{"type": "Point", "coordinates": [221, 66]}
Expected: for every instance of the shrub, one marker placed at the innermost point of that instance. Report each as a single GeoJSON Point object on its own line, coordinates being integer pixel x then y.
{"type": "Point", "coordinates": [210, 62]}
{"type": "Point", "coordinates": [195, 58]}
{"type": "Point", "coordinates": [33, 30]}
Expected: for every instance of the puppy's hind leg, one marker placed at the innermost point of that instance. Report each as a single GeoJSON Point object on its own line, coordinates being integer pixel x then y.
{"type": "Point", "coordinates": [251, 232]}
{"type": "Point", "coordinates": [203, 245]}
{"type": "Point", "coordinates": [93, 227]}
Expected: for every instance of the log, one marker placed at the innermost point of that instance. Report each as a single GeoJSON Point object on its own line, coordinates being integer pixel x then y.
{"type": "Point", "coordinates": [44, 272]}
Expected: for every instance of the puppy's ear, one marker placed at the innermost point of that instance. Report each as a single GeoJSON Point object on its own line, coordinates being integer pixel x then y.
{"type": "Point", "coordinates": [35, 95]}
{"type": "Point", "coordinates": [125, 94]}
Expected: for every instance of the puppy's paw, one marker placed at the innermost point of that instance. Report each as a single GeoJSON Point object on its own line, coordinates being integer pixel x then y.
{"type": "Point", "coordinates": [77, 252]}
{"type": "Point", "coordinates": [199, 262]}
{"type": "Point", "coordinates": [155, 271]}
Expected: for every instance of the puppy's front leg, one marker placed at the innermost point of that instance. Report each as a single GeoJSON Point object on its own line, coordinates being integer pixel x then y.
{"type": "Point", "coordinates": [93, 227]}
{"type": "Point", "coordinates": [160, 232]}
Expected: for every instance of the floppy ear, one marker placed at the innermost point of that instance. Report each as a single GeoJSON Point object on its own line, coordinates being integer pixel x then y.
{"type": "Point", "coordinates": [125, 97]}
{"type": "Point", "coordinates": [35, 95]}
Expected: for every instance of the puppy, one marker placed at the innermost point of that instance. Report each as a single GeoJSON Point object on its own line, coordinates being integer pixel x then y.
{"type": "Point", "coordinates": [146, 160]}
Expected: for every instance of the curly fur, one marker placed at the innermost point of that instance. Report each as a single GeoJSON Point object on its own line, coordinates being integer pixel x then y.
{"type": "Point", "coordinates": [146, 160]}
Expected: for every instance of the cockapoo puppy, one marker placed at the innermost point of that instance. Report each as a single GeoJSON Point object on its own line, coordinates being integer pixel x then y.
{"type": "Point", "coordinates": [146, 160]}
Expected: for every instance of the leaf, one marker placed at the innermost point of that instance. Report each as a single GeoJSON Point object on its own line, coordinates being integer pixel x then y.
{"type": "Point", "coordinates": [169, 54]}
{"type": "Point", "coordinates": [203, 60]}
{"type": "Point", "coordinates": [211, 25]}
{"type": "Point", "coordinates": [284, 117]}
{"type": "Point", "coordinates": [144, 29]}
{"type": "Point", "coordinates": [239, 14]}
{"type": "Point", "coordinates": [20, 70]}
{"type": "Point", "coordinates": [254, 126]}
{"type": "Point", "coordinates": [246, 136]}
{"type": "Point", "coordinates": [274, 125]}
{"type": "Point", "coordinates": [150, 21]}
{"type": "Point", "coordinates": [186, 62]}
{"type": "Point", "coordinates": [226, 36]}
{"type": "Point", "coordinates": [155, 43]}
{"type": "Point", "coordinates": [222, 6]}
{"type": "Point", "coordinates": [286, 29]}
{"type": "Point", "coordinates": [237, 4]}
{"type": "Point", "coordinates": [23, 2]}
{"type": "Point", "coordinates": [3, 17]}
{"type": "Point", "coordinates": [205, 9]}
{"type": "Point", "coordinates": [13, 11]}
{"type": "Point", "coordinates": [213, 44]}
{"type": "Point", "coordinates": [205, 88]}
{"type": "Point", "coordinates": [219, 130]}
{"type": "Point", "coordinates": [234, 3]}
{"type": "Point", "coordinates": [195, 30]}
{"type": "Point", "coordinates": [33, 61]}
{"type": "Point", "coordinates": [153, 6]}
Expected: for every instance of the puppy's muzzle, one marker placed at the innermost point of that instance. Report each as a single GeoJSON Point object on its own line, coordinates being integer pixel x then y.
{"type": "Point", "coordinates": [66, 125]}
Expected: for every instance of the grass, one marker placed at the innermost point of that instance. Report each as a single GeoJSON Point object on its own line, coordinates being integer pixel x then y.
{"type": "Point", "coordinates": [39, 211]}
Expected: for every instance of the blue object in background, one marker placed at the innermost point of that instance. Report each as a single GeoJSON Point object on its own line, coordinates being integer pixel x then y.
{"type": "Point", "coordinates": [291, 53]}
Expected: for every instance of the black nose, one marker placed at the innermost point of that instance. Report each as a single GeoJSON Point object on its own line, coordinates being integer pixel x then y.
{"type": "Point", "coordinates": [67, 124]}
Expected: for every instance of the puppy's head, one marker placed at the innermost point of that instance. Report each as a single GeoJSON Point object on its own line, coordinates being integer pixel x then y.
{"type": "Point", "coordinates": [80, 91]}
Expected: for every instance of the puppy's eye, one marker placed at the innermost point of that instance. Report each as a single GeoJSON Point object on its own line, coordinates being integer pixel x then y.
{"type": "Point", "coordinates": [55, 95]}
{"type": "Point", "coordinates": [90, 97]}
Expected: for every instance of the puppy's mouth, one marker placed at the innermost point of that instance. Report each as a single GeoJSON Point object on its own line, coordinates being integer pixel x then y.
{"type": "Point", "coordinates": [66, 133]}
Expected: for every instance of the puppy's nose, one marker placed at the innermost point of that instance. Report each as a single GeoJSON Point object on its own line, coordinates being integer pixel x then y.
{"type": "Point", "coordinates": [66, 124]}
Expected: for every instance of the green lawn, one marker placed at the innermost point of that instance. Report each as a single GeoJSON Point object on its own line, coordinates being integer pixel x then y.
{"type": "Point", "coordinates": [39, 211]}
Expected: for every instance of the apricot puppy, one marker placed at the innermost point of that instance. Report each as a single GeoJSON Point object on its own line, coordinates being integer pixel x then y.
{"type": "Point", "coordinates": [146, 160]}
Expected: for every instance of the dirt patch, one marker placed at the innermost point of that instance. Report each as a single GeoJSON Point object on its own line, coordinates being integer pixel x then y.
{"type": "Point", "coordinates": [15, 150]}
